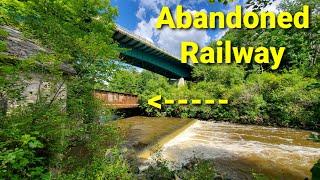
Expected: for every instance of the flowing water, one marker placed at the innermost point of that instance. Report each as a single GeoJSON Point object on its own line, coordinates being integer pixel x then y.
{"type": "Point", "coordinates": [237, 150]}
{"type": "Point", "coordinates": [280, 153]}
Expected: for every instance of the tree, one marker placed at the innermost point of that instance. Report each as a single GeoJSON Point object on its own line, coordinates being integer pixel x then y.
{"type": "Point", "coordinates": [78, 32]}
{"type": "Point", "coordinates": [256, 5]}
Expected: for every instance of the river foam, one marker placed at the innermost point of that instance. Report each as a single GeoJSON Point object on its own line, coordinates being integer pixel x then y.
{"type": "Point", "coordinates": [278, 152]}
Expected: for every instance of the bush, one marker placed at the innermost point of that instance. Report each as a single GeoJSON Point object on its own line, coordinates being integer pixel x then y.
{"type": "Point", "coordinates": [20, 158]}
{"type": "Point", "coordinates": [199, 170]}
{"type": "Point", "coordinates": [196, 169]}
{"type": "Point", "coordinates": [316, 171]}
{"type": "Point", "coordinates": [111, 165]}
{"type": "Point", "coordinates": [32, 138]}
{"type": "Point", "coordinates": [288, 99]}
{"type": "Point", "coordinates": [314, 137]}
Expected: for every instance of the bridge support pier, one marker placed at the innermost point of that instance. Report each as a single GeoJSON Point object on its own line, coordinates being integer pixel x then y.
{"type": "Point", "coordinates": [181, 82]}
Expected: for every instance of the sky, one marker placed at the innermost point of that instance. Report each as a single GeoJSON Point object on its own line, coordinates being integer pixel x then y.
{"type": "Point", "coordinates": [140, 16]}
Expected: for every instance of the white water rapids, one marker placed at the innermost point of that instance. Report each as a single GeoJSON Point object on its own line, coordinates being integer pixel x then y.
{"type": "Point", "coordinates": [236, 149]}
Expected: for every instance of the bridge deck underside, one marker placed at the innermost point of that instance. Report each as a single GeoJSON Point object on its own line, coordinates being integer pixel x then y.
{"type": "Point", "coordinates": [147, 56]}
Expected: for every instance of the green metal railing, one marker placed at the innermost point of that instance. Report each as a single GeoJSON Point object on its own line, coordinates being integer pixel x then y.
{"type": "Point", "coordinates": [145, 41]}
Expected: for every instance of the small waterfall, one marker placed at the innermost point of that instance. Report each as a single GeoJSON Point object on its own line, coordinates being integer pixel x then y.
{"type": "Point", "coordinates": [277, 152]}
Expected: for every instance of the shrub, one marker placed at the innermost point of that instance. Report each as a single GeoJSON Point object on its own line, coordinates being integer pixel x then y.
{"type": "Point", "coordinates": [20, 157]}
{"type": "Point", "coordinates": [288, 99]}
{"type": "Point", "coordinates": [110, 166]}
{"type": "Point", "coordinates": [32, 138]}
{"type": "Point", "coordinates": [195, 169]}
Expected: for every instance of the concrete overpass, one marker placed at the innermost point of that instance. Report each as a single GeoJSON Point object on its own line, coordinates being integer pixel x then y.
{"type": "Point", "coordinates": [142, 53]}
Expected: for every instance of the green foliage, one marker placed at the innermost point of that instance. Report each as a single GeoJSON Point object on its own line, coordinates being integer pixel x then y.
{"type": "Point", "coordinates": [286, 99]}
{"type": "Point", "coordinates": [3, 46]}
{"type": "Point", "coordinates": [226, 74]}
{"type": "Point", "coordinates": [40, 136]}
{"type": "Point", "coordinates": [80, 103]}
{"type": "Point", "coordinates": [199, 170]}
{"type": "Point", "coordinates": [110, 166]}
{"type": "Point", "coordinates": [258, 5]}
{"type": "Point", "coordinates": [225, 2]}
{"type": "Point", "coordinates": [3, 34]}
{"type": "Point", "coordinates": [301, 52]}
{"type": "Point", "coordinates": [196, 169]}
{"type": "Point", "coordinates": [316, 171]}
{"type": "Point", "coordinates": [125, 82]}
{"type": "Point", "coordinates": [29, 137]}
{"type": "Point", "coordinates": [314, 137]}
{"type": "Point", "coordinates": [22, 161]}
{"type": "Point", "coordinates": [45, 135]}
{"type": "Point", "coordinates": [257, 176]}
{"type": "Point", "coordinates": [159, 171]}
{"type": "Point", "coordinates": [79, 32]}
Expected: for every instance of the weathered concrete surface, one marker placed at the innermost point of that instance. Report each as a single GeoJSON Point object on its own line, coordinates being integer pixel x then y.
{"type": "Point", "coordinates": [37, 86]}
{"type": "Point", "coordinates": [19, 46]}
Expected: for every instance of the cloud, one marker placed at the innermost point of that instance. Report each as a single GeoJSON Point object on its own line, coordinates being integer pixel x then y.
{"type": "Point", "coordinates": [146, 29]}
{"type": "Point", "coordinates": [273, 7]}
{"type": "Point", "coordinates": [155, 5]}
{"type": "Point", "coordinates": [190, 4]}
{"type": "Point", "coordinates": [141, 13]}
{"type": "Point", "coordinates": [170, 39]}
{"type": "Point", "coordinates": [151, 5]}
{"type": "Point", "coordinates": [231, 6]}
{"type": "Point", "coordinates": [220, 34]}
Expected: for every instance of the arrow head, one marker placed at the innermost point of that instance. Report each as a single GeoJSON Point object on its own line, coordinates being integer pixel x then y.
{"type": "Point", "coordinates": [152, 102]}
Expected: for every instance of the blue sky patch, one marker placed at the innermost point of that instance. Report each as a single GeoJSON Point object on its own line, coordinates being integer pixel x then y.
{"type": "Point", "coordinates": [139, 16]}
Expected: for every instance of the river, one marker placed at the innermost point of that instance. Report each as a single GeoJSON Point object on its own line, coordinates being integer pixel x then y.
{"type": "Point", "coordinates": [239, 150]}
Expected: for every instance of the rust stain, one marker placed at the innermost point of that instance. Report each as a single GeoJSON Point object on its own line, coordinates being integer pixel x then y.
{"type": "Point", "coordinates": [117, 100]}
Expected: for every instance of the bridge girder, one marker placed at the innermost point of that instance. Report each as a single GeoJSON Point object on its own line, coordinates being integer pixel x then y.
{"type": "Point", "coordinates": [144, 54]}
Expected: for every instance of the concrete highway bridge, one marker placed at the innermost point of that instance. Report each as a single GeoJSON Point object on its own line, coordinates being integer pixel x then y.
{"type": "Point", "coordinates": [142, 53]}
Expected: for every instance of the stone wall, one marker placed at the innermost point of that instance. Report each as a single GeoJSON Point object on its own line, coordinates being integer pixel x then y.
{"type": "Point", "coordinates": [22, 48]}
{"type": "Point", "coordinates": [19, 46]}
{"type": "Point", "coordinates": [38, 88]}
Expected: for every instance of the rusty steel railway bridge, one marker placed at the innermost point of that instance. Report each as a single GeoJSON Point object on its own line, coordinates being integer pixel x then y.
{"type": "Point", "coordinates": [117, 100]}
